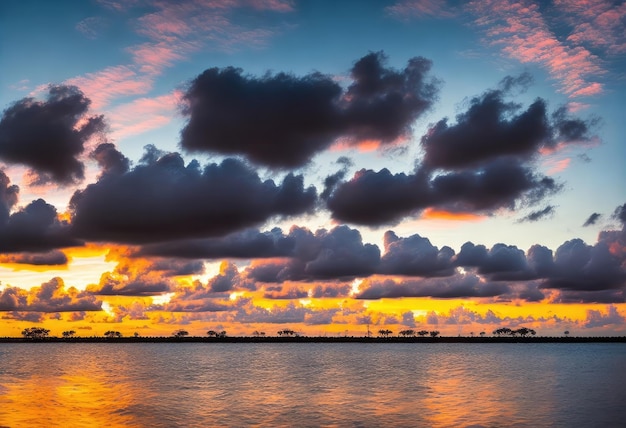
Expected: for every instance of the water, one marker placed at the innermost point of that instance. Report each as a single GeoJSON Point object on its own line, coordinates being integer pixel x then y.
{"type": "Point", "coordinates": [312, 384]}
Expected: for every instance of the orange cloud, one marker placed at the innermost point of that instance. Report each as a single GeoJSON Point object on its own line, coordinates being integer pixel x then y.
{"type": "Point", "coordinates": [435, 214]}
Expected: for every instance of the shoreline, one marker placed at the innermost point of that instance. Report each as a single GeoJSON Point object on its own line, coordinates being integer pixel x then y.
{"type": "Point", "coordinates": [321, 339]}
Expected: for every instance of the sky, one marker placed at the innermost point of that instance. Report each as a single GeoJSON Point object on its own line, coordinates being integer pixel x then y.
{"type": "Point", "coordinates": [332, 168]}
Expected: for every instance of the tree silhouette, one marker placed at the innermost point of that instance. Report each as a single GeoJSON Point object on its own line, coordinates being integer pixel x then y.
{"type": "Point", "coordinates": [407, 333]}
{"type": "Point", "coordinates": [422, 333]}
{"type": "Point", "coordinates": [257, 333]}
{"type": "Point", "coordinates": [566, 333]}
{"type": "Point", "coordinates": [525, 331]}
{"type": "Point", "coordinates": [384, 333]}
{"type": "Point", "coordinates": [434, 333]}
{"type": "Point", "coordinates": [286, 332]}
{"type": "Point", "coordinates": [68, 334]}
{"type": "Point", "coordinates": [112, 334]}
{"type": "Point", "coordinates": [180, 333]}
{"type": "Point", "coordinates": [35, 333]}
{"type": "Point", "coordinates": [212, 333]}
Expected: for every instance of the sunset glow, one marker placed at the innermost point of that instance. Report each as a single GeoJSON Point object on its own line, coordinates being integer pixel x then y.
{"type": "Point", "coordinates": [230, 166]}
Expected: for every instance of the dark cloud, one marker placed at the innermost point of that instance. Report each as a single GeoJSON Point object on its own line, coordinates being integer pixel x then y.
{"type": "Point", "coordinates": [35, 228]}
{"type": "Point", "coordinates": [593, 218]}
{"type": "Point", "coordinates": [175, 267]}
{"type": "Point", "coordinates": [501, 263]}
{"type": "Point", "coordinates": [49, 136]}
{"type": "Point", "coordinates": [227, 279]}
{"type": "Point", "coordinates": [51, 296]}
{"type": "Point", "coordinates": [49, 258]}
{"type": "Point", "coordinates": [538, 215]}
{"type": "Point", "coordinates": [471, 255]}
{"type": "Point", "coordinates": [377, 198]}
{"type": "Point", "coordinates": [331, 181]}
{"type": "Point", "coordinates": [336, 254]}
{"type": "Point", "coordinates": [521, 82]}
{"type": "Point", "coordinates": [247, 244]}
{"type": "Point", "coordinates": [382, 103]}
{"type": "Point", "coordinates": [415, 256]}
{"type": "Point", "coordinates": [458, 286]}
{"type": "Point", "coordinates": [168, 200]}
{"type": "Point", "coordinates": [342, 254]}
{"type": "Point", "coordinates": [281, 120]}
{"type": "Point", "coordinates": [110, 160]}
{"type": "Point", "coordinates": [582, 267]}
{"type": "Point", "coordinates": [492, 127]}
{"type": "Point", "coordinates": [620, 214]}
{"type": "Point", "coordinates": [9, 194]}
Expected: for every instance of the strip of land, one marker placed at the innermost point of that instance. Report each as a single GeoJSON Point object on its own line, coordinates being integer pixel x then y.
{"type": "Point", "coordinates": [319, 339]}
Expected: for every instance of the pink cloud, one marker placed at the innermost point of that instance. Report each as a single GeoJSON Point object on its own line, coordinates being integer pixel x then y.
{"type": "Point", "coordinates": [575, 106]}
{"type": "Point", "coordinates": [143, 114]}
{"type": "Point", "coordinates": [103, 86]}
{"type": "Point", "coordinates": [523, 33]}
{"type": "Point", "coordinates": [599, 23]}
{"type": "Point", "coordinates": [557, 166]}
{"type": "Point", "coordinates": [154, 57]}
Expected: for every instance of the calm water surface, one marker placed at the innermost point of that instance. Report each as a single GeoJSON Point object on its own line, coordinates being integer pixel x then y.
{"type": "Point", "coordinates": [312, 384]}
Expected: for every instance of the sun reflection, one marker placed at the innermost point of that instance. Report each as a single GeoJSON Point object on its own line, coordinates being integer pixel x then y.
{"type": "Point", "coordinates": [84, 398]}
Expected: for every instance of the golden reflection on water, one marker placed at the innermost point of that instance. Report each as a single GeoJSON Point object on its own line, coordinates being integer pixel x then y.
{"type": "Point", "coordinates": [67, 392]}
{"type": "Point", "coordinates": [307, 385]}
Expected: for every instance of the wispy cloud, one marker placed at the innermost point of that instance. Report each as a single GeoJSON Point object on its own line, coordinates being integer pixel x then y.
{"type": "Point", "coordinates": [103, 86]}
{"type": "Point", "coordinates": [143, 114]}
{"type": "Point", "coordinates": [598, 23]}
{"type": "Point", "coordinates": [406, 9]}
{"type": "Point", "coordinates": [523, 33]}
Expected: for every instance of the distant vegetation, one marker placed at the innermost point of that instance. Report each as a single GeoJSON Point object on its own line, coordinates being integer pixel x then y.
{"type": "Point", "coordinates": [503, 334]}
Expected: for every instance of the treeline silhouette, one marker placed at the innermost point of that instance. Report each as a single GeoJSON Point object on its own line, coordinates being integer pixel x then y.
{"type": "Point", "coordinates": [501, 335]}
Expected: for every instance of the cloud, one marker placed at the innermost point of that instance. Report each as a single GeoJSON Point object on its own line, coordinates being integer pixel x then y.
{"type": "Point", "coordinates": [523, 33]}
{"type": "Point", "coordinates": [620, 214]}
{"type": "Point", "coordinates": [110, 160]}
{"type": "Point", "coordinates": [246, 244]}
{"type": "Point", "coordinates": [34, 228]}
{"type": "Point", "coordinates": [281, 120]}
{"type": "Point", "coordinates": [110, 83]}
{"type": "Point", "coordinates": [458, 286]}
{"type": "Point", "coordinates": [538, 215]}
{"type": "Point", "coordinates": [92, 27]}
{"type": "Point", "coordinates": [342, 254]}
{"type": "Point", "coordinates": [51, 296]}
{"type": "Point", "coordinates": [592, 219]}
{"type": "Point", "coordinates": [142, 277]}
{"type": "Point", "coordinates": [164, 199]}
{"type": "Point", "coordinates": [49, 258]}
{"type": "Point", "coordinates": [491, 128]}
{"type": "Point", "coordinates": [48, 136]}
{"type": "Point", "coordinates": [406, 9]}
{"type": "Point", "coordinates": [598, 23]}
{"type": "Point", "coordinates": [142, 115]}
{"type": "Point", "coordinates": [378, 198]}
{"type": "Point", "coordinates": [415, 256]}
{"type": "Point", "coordinates": [581, 267]}
{"type": "Point", "coordinates": [600, 319]}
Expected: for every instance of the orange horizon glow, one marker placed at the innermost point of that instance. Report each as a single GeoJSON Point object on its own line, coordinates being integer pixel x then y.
{"type": "Point", "coordinates": [436, 214]}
